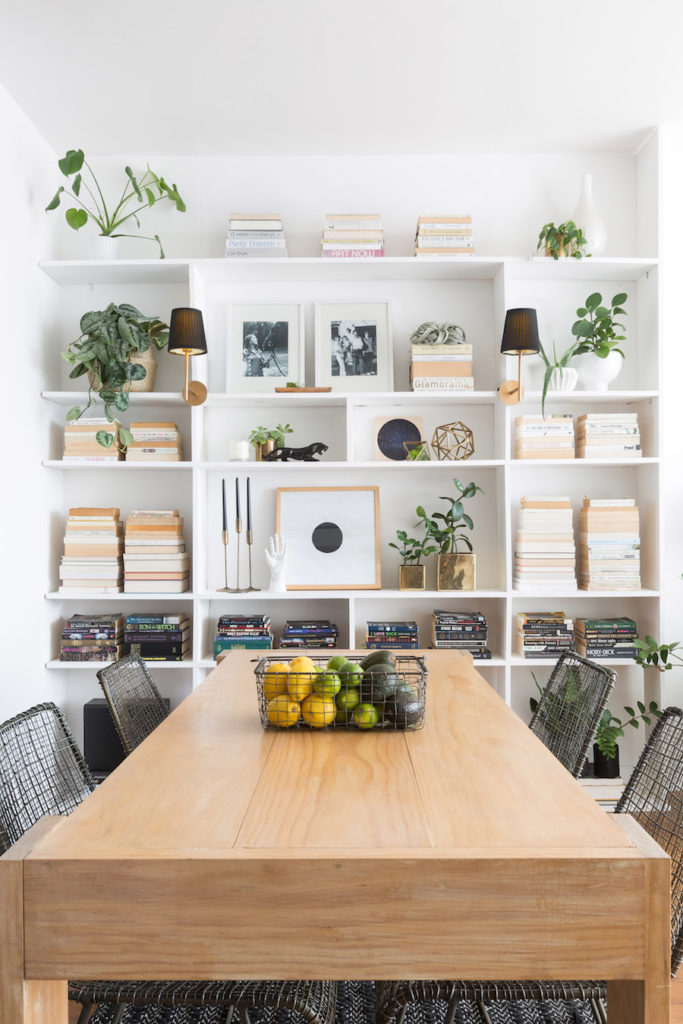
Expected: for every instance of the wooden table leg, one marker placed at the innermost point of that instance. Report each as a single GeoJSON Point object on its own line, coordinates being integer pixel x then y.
{"type": "Point", "coordinates": [23, 1001]}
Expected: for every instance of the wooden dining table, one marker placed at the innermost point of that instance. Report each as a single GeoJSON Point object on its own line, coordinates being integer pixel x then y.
{"type": "Point", "coordinates": [218, 849]}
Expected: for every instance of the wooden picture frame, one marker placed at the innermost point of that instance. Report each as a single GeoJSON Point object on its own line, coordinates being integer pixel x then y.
{"type": "Point", "coordinates": [353, 346]}
{"type": "Point", "coordinates": [332, 537]}
{"type": "Point", "coordinates": [265, 346]}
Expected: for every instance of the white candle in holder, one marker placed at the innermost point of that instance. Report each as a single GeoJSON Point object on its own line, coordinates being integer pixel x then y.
{"type": "Point", "coordinates": [238, 451]}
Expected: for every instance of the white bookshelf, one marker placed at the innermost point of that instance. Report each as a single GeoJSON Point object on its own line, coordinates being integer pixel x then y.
{"type": "Point", "coordinates": [474, 292]}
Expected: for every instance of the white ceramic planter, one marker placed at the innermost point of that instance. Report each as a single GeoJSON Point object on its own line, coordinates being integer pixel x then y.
{"type": "Point", "coordinates": [104, 247]}
{"type": "Point", "coordinates": [563, 378]}
{"type": "Point", "coordinates": [597, 374]}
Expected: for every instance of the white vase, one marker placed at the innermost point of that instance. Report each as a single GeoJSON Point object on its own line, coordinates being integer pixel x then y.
{"type": "Point", "coordinates": [563, 378]}
{"type": "Point", "coordinates": [597, 374]}
{"type": "Point", "coordinates": [586, 217]}
{"type": "Point", "coordinates": [104, 247]}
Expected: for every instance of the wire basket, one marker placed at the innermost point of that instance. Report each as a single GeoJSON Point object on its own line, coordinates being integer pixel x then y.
{"type": "Point", "coordinates": [389, 694]}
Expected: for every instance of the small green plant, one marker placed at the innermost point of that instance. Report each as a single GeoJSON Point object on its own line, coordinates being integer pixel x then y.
{"type": "Point", "coordinates": [610, 728]}
{"type": "Point", "coordinates": [556, 704]}
{"type": "Point", "coordinates": [449, 529]}
{"type": "Point", "coordinates": [142, 195]}
{"type": "Point", "coordinates": [416, 451]}
{"type": "Point", "coordinates": [597, 327]}
{"type": "Point", "coordinates": [411, 549]}
{"type": "Point", "coordinates": [259, 435]}
{"type": "Point", "coordinates": [279, 433]}
{"type": "Point", "coordinates": [564, 240]}
{"type": "Point", "coordinates": [557, 364]}
{"type": "Point", "coordinates": [660, 656]}
{"type": "Point", "coordinates": [292, 384]}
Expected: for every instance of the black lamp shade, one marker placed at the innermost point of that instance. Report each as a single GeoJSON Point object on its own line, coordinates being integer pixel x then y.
{"type": "Point", "coordinates": [520, 334]}
{"type": "Point", "coordinates": [186, 334]}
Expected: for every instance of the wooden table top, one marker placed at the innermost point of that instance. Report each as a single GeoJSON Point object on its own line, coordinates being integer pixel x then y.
{"type": "Point", "coordinates": [211, 782]}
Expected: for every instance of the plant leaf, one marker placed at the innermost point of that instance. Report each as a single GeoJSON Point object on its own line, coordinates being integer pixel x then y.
{"type": "Point", "coordinates": [76, 218]}
{"type": "Point", "coordinates": [125, 437]}
{"type": "Point", "coordinates": [104, 438]}
{"type": "Point", "coordinates": [72, 162]}
{"type": "Point", "coordinates": [73, 414]}
{"type": "Point", "coordinates": [134, 183]}
{"type": "Point", "coordinates": [619, 300]}
{"type": "Point", "coordinates": [54, 202]}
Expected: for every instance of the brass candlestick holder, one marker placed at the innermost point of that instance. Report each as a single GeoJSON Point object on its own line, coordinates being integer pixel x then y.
{"type": "Point", "coordinates": [238, 589]}
{"type": "Point", "coordinates": [250, 541]}
{"type": "Point", "coordinates": [224, 541]}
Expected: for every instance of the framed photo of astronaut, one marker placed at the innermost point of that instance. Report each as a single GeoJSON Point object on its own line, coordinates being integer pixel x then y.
{"type": "Point", "coordinates": [265, 346]}
{"type": "Point", "coordinates": [353, 349]}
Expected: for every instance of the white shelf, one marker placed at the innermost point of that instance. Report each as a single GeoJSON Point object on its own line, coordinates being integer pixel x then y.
{"type": "Point", "coordinates": [86, 595]}
{"type": "Point", "coordinates": [344, 595]}
{"type": "Point", "coordinates": [517, 661]}
{"type": "Point", "coordinates": [593, 268]}
{"type": "Point", "coordinates": [571, 595]}
{"type": "Point", "coordinates": [589, 396]}
{"type": "Point", "coordinates": [95, 666]}
{"type": "Point", "coordinates": [269, 467]}
{"type": "Point", "coordinates": [586, 463]}
{"type": "Point", "coordinates": [118, 466]}
{"type": "Point", "coordinates": [339, 399]}
{"type": "Point", "coordinates": [136, 397]}
{"type": "Point", "coordinates": [71, 272]}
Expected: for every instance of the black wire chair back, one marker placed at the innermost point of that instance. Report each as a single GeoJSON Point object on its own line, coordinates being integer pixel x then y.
{"type": "Point", "coordinates": [654, 797]}
{"type": "Point", "coordinates": [570, 707]}
{"type": "Point", "coordinates": [42, 771]}
{"type": "Point", "coordinates": [135, 703]}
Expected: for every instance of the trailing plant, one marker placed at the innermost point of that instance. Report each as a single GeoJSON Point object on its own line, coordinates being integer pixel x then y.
{"type": "Point", "coordinates": [557, 364]}
{"type": "Point", "coordinates": [659, 656]}
{"type": "Point", "coordinates": [411, 549]}
{"type": "Point", "coordinates": [108, 340]}
{"type": "Point", "coordinates": [597, 327]}
{"type": "Point", "coordinates": [610, 728]}
{"type": "Point", "coordinates": [140, 194]}
{"type": "Point", "coordinates": [564, 240]}
{"type": "Point", "coordinates": [449, 529]}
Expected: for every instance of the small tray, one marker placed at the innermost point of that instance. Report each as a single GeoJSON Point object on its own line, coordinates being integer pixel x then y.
{"type": "Point", "coordinates": [398, 696]}
{"type": "Point", "coordinates": [301, 391]}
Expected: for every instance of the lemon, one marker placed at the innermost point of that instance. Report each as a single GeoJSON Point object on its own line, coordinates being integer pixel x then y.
{"type": "Point", "coordinates": [275, 680]}
{"type": "Point", "coordinates": [283, 712]}
{"type": "Point", "coordinates": [327, 683]}
{"type": "Point", "coordinates": [302, 672]}
{"type": "Point", "coordinates": [318, 711]}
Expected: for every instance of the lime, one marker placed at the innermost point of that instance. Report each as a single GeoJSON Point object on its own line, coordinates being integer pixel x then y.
{"type": "Point", "coordinates": [336, 662]}
{"type": "Point", "coordinates": [318, 711]}
{"type": "Point", "coordinates": [327, 684]}
{"type": "Point", "coordinates": [366, 716]}
{"type": "Point", "coordinates": [350, 674]}
{"type": "Point", "coordinates": [283, 712]}
{"type": "Point", "coordinates": [346, 700]}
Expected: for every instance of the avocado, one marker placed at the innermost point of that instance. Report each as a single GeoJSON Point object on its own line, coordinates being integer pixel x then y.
{"type": "Point", "coordinates": [378, 658]}
{"type": "Point", "coordinates": [405, 710]}
{"type": "Point", "coordinates": [378, 684]}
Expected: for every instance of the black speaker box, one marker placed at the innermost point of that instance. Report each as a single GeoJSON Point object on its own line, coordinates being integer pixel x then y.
{"type": "Point", "coordinates": [101, 744]}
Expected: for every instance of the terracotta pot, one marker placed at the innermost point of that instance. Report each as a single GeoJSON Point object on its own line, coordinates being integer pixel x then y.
{"type": "Point", "coordinates": [457, 572]}
{"type": "Point", "coordinates": [411, 577]}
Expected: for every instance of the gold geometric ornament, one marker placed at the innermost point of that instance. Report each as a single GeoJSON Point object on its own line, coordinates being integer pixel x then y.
{"type": "Point", "coordinates": [453, 442]}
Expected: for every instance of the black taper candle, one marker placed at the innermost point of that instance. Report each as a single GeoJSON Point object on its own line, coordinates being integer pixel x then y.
{"type": "Point", "coordinates": [237, 499]}
{"type": "Point", "coordinates": [225, 510]}
{"type": "Point", "coordinates": [248, 505]}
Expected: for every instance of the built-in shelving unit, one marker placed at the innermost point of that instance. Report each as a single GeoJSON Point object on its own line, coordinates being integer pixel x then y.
{"type": "Point", "coordinates": [472, 291]}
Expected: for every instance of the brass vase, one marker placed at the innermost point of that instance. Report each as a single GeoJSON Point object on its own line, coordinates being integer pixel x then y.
{"type": "Point", "coordinates": [411, 577]}
{"type": "Point", "coordinates": [264, 449]}
{"type": "Point", "coordinates": [457, 572]}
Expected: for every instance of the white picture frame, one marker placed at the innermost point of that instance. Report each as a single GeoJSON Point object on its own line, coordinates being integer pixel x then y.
{"type": "Point", "coordinates": [272, 363]}
{"type": "Point", "coordinates": [363, 360]}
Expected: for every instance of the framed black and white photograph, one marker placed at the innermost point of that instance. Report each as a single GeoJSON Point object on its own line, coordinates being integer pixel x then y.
{"type": "Point", "coordinates": [332, 537]}
{"type": "Point", "coordinates": [265, 346]}
{"type": "Point", "coordinates": [353, 350]}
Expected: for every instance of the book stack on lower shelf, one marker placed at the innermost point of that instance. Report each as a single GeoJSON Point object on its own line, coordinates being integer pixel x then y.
{"type": "Point", "coordinates": [392, 636]}
{"type": "Point", "coordinates": [609, 544]}
{"type": "Point", "coordinates": [445, 367]}
{"type": "Point", "coordinates": [81, 444]}
{"type": "Point", "coordinates": [352, 234]}
{"type": "Point", "coordinates": [309, 633]}
{"type": "Point", "coordinates": [606, 638]}
{"type": "Point", "coordinates": [544, 546]}
{"type": "Point", "coordinates": [157, 637]}
{"type": "Point", "coordinates": [243, 633]}
{"type": "Point", "coordinates": [154, 442]}
{"type": "Point", "coordinates": [93, 545]}
{"type": "Point", "coordinates": [544, 634]}
{"type": "Point", "coordinates": [92, 637]}
{"type": "Point", "coordinates": [444, 235]}
{"type": "Point", "coordinates": [544, 437]}
{"type": "Point", "coordinates": [608, 435]}
{"type": "Point", "coordinates": [255, 234]}
{"type": "Point", "coordinates": [461, 631]}
{"type": "Point", "coordinates": [154, 558]}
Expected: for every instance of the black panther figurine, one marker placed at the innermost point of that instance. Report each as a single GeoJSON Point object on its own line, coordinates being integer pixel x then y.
{"type": "Point", "coordinates": [306, 454]}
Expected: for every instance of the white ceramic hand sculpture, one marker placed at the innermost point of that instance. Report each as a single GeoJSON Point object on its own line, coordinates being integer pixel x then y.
{"type": "Point", "coordinates": [276, 555]}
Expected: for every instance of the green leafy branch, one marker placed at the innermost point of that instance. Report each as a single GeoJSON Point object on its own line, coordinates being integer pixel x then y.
{"type": "Point", "coordinates": [564, 240]}
{"type": "Point", "coordinates": [597, 327]}
{"type": "Point", "coordinates": [660, 656]}
{"type": "Point", "coordinates": [449, 529]}
{"type": "Point", "coordinates": [411, 549]}
{"type": "Point", "coordinates": [610, 728]}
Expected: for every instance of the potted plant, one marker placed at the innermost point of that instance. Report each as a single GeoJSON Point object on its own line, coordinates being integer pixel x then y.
{"type": "Point", "coordinates": [559, 375]}
{"type": "Point", "coordinates": [116, 351]}
{"type": "Point", "coordinates": [416, 451]}
{"type": "Point", "coordinates": [456, 569]}
{"type": "Point", "coordinates": [267, 439]}
{"type": "Point", "coordinates": [279, 434]}
{"type": "Point", "coordinates": [597, 352]}
{"type": "Point", "coordinates": [564, 240]}
{"type": "Point", "coordinates": [411, 573]}
{"type": "Point", "coordinates": [610, 728]}
{"type": "Point", "coordinates": [137, 195]}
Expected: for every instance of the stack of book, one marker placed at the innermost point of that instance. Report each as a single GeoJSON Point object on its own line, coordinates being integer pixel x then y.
{"type": "Point", "coordinates": [92, 638]}
{"type": "Point", "coordinates": [155, 442]}
{"type": "Point", "coordinates": [352, 234]}
{"type": "Point", "coordinates": [606, 638]}
{"type": "Point", "coordinates": [444, 236]}
{"type": "Point", "coordinates": [243, 633]}
{"type": "Point", "coordinates": [544, 634]}
{"type": "Point", "coordinates": [255, 234]}
{"type": "Point", "coordinates": [609, 544]}
{"type": "Point", "coordinates": [441, 367]}
{"type": "Point", "coordinates": [81, 444]}
{"type": "Point", "coordinates": [309, 633]}
{"type": "Point", "coordinates": [461, 631]}
{"type": "Point", "coordinates": [544, 546]}
{"type": "Point", "coordinates": [392, 635]}
{"type": "Point", "coordinates": [157, 637]}
{"type": "Point", "coordinates": [549, 437]}
{"type": "Point", "coordinates": [154, 558]}
{"type": "Point", "coordinates": [93, 544]}
{"type": "Point", "coordinates": [608, 435]}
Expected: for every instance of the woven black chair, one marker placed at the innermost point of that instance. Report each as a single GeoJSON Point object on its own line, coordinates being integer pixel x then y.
{"type": "Point", "coordinates": [570, 707]}
{"type": "Point", "coordinates": [43, 772]}
{"type": "Point", "coordinates": [136, 705]}
{"type": "Point", "coordinates": [654, 797]}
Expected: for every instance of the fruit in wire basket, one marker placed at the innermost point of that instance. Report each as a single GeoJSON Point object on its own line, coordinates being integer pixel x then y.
{"type": "Point", "coordinates": [336, 662]}
{"type": "Point", "coordinates": [275, 680]}
{"type": "Point", "coordinates": [350, 674]}
{"type": "Point", "coordinates": [283, 712]}
{"type": "Point", "coordinates": [302, 672]}
{"type": "Point", "coordinates": [346, 701]}
{"type": "Point", "coordinates": [379, 683]}
{"type": "Point", "coordinates": [327, 683]}
{"type": "Point", "coordinates": [405, 709]}
{"type": "Point", "coordinates": [318, 711]}
{"type": "Point", "coordinates": [366, 716]}
{"type": "Point", "coordinates": [378, 658]}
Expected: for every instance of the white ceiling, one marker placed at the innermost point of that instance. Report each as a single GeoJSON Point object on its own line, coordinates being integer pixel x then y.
{"type": "Point", "coordinates": [179, 77]}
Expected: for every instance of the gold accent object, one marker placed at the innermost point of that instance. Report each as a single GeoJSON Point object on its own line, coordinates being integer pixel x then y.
{"type": "Point", "coordinates": [411, 577]}
{"type": "Point", "coordinates": [453, 442]}
{"type": "Point", "coordinates": [416, 451]}
{"type": "Point", "coordinates": [457, 572]}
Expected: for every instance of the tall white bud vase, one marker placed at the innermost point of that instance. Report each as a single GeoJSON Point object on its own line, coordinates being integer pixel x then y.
{"type": "Point", "coordinates": [586, 217]}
